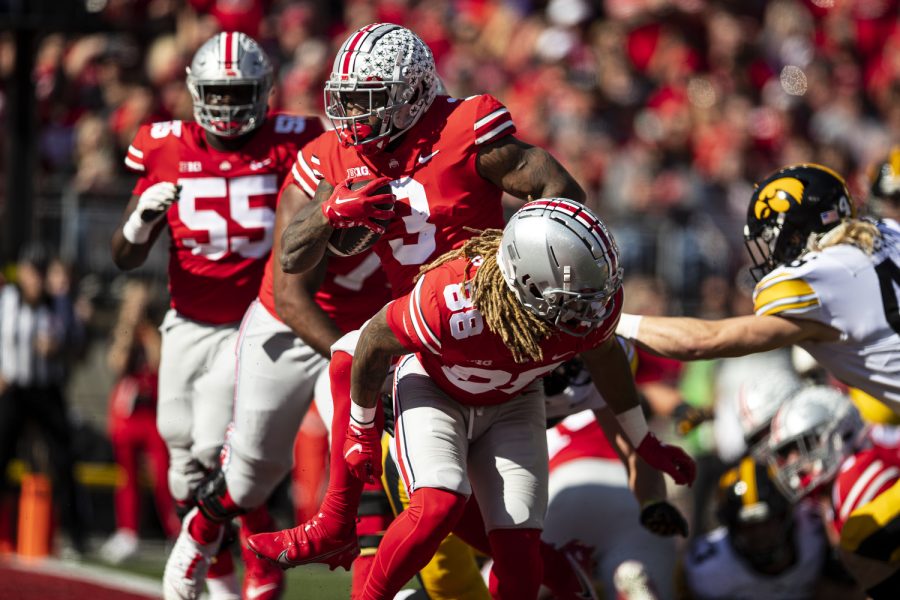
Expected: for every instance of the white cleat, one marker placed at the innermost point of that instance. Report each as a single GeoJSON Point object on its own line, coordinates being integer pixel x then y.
{"type": "Point", "coordinates": [188, 563]}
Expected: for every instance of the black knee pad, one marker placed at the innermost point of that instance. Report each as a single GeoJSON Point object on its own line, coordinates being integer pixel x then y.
{"type": "Point", "coordinates": [213, 499]}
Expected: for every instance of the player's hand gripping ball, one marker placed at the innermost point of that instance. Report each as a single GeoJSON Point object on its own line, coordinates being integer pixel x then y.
{"type": "Point", "coordinates": [359, 210]}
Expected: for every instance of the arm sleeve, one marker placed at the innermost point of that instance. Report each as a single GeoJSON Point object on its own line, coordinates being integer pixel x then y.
{"type": "Point", "coordinates": [306, 172]}
{"type": "Point", "coordinates": [492, 120]}
{"type": "Point", "coordinates": [415, 319]}
{"type": "Point", "coordinates": [134, 158]}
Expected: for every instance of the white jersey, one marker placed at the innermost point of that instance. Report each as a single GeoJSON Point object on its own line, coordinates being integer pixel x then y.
{"type": "Point", "coordinates": [857, 294]}
{"type": "Point", "coordinates": [714, 571]}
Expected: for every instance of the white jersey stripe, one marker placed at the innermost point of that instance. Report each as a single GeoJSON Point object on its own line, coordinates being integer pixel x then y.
{"type": "Point", "coordinates": [413, 317]}
{"type": "Point", "coordinates": [302, 182]}
{"type": "Point", "coordinates": [306, 168]}
{"type": "Point", "coordinates": [134, 165]}
{"type": "Point", "coordinates": [493, 132]}
{"type": "Point", "coordinates": [135, 152]}
{"type": "Point", "coordinates": [485, 120]}
{"type": "Point", "coordinates": [884, 477]}
{"type": "Point", "coordinates": [417, 295]}
{"type": "Point", "coordinates": [859, 487]}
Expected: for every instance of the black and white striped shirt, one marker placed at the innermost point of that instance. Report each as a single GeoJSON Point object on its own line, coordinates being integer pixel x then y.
{"type": "Point", "coordinates": [21, 325]}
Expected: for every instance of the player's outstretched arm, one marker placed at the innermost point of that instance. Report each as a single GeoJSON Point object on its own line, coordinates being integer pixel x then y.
{"type": "Point", "coordinates": [526, 171]}
{"type": "Point", "coordinates": [305, 238]}
{"type": "Point", "coordinates": [646, 483]}
{"type": "Point", "coordinates": [295, 294]}
{"type": "Point", "coordinates": [685, 338]}
{"type": "Point", "coordinates": [611, 374]}
{"type": "Point", "coordinates": [141, 223]}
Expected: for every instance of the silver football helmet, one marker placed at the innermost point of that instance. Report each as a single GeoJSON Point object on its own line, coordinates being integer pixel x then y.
{"type": "Point", "coordinates": [811, 436]}
{"type": "Point", "coordinates": [382, 81]}
{"type": "Point", "coordinates": [562, 263]}
{"type": "Point", "coordinates": [760, 399]}
{"type": "Point", "coordinates": [230, 79]}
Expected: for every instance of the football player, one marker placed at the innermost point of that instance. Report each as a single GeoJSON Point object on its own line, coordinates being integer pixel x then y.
{"type": "Point", "coordinates": [765, 548]}
{"type": "Point", "coordinates": [827, 281]}
{"type": "Point", "coordinates": [212, 184]}
{"type": "Point", "coordinates": [819, 448]}
{"type": "Point", "coordinates": [447, 160]}
{"type": "Point", "coordinates": [485, 322]}
{"type": "Point", "coordinates": [282, 347]}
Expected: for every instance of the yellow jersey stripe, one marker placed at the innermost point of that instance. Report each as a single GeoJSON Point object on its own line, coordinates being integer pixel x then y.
{"type": "Point", "coordinates": [788, 288]}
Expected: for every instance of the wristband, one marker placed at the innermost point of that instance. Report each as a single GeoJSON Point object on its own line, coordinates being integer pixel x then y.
{"type": "Point", "coordinates": [362, 417]}
{"type": "Point", "coordinates": [136, 230]}
{"type": "Point", "coordinates": [628, 326]}
{"type": "Point", "coordinates": [634, 424]}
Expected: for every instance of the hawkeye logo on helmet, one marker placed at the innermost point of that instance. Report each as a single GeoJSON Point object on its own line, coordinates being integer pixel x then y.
{"type": "Point", "coordinates": [777, 197]}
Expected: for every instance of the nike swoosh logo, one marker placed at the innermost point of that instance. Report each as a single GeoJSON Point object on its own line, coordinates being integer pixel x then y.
{"type": "Point", "coordinates": [343, 200]}
{"type": "Point", "coordinates": [256, 592]}
{"type": "Point", "coordinates": [353, 448]}
{"type": "Point", "coordinates": [559, 356]}
{"type": "Point", "coordinates": [425, 159]}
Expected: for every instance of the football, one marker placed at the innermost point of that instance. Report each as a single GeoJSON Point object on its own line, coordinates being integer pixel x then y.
{"type": "Point", "coordinates": [353, 240]}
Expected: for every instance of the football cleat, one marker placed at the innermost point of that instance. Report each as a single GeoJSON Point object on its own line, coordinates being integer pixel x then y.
{"type": "Point", "coordinates": [310, 542]}
{"type": "Point", "coordinates": [581, 559]}
{"type": "Point", "coordinates": [188, 563]}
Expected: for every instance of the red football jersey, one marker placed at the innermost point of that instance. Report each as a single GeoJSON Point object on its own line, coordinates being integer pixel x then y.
{"type": "Point", "coordinates": [221, 226]}
{"type": "Point", "coordinates": [438, 321]}
{"type": "Point", "coordinates": [862, 478]}
{"type": "Point", "coordinates": [578, 436]}
{"type": "Point", "coordinates": [439, 192]}
{"type": "Point", "coordinates": [354, 289]}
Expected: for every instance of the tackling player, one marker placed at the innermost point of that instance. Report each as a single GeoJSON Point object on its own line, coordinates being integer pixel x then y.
{"type": "Point", "coordinates": [486, 321]}
{"type": "Point", "coordinates": [829, 283]}
{"type": "Point", "coordinates": [213, 184]}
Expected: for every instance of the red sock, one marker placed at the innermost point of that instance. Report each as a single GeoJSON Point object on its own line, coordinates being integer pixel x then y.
{"type": "Point", "coordinates": [374, 518]}
{"type": "Point", "coordinates": [470, 528]}
{"type": "Point", "coordinates": [257, 520]}
{"type": "Point", "coordinates": [362, 566]}
{"type": "Point", "coordinates": [222, 564]}
{"type": "Point", "coordinates": [344, 490]}
{"type": "Point", "coordinates": [558, 575]}
{"type": "Point", "coordinates": [517, 570]}
{"type": "Point", "coordinates": [411, 540]}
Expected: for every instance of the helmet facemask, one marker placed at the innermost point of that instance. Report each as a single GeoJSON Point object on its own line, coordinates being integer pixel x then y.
{"type": "Point", "coordinates": [376, 103]}
{"type": "Point", "coordinates": [230, 79]}
{"type": "Point", "coordinates": [574, 313]}
{"type": "Point", "coordinates": [229, 109]}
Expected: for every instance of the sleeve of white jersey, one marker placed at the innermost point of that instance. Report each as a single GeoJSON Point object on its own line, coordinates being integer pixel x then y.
{"type": "Point", "coordinates": [306, 173]}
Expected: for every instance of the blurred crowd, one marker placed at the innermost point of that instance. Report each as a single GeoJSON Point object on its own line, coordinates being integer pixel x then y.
{"type": "Point", "coordinates": [666, 111]}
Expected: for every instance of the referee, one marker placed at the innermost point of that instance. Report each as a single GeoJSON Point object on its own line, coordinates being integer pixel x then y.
{"type": "Point", "coordinates": [32, 374]}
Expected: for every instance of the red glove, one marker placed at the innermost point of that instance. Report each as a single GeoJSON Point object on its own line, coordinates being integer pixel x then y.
{"type": "Point", "coordinates": [362, 452]}
{"type": "Point", "coordinates": [351, 208]}
{"type": "Point", "coordinates": [668, 459]}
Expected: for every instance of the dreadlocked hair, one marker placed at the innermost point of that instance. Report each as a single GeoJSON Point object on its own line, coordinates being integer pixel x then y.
{"type": "Point", "coordinates": [861, 233]}
{"type": "Point", "coordinates": [520, 330]}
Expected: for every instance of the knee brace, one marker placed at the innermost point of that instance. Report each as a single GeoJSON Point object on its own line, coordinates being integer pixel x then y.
{"type": "Point", "coordinates": [214, 500]}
